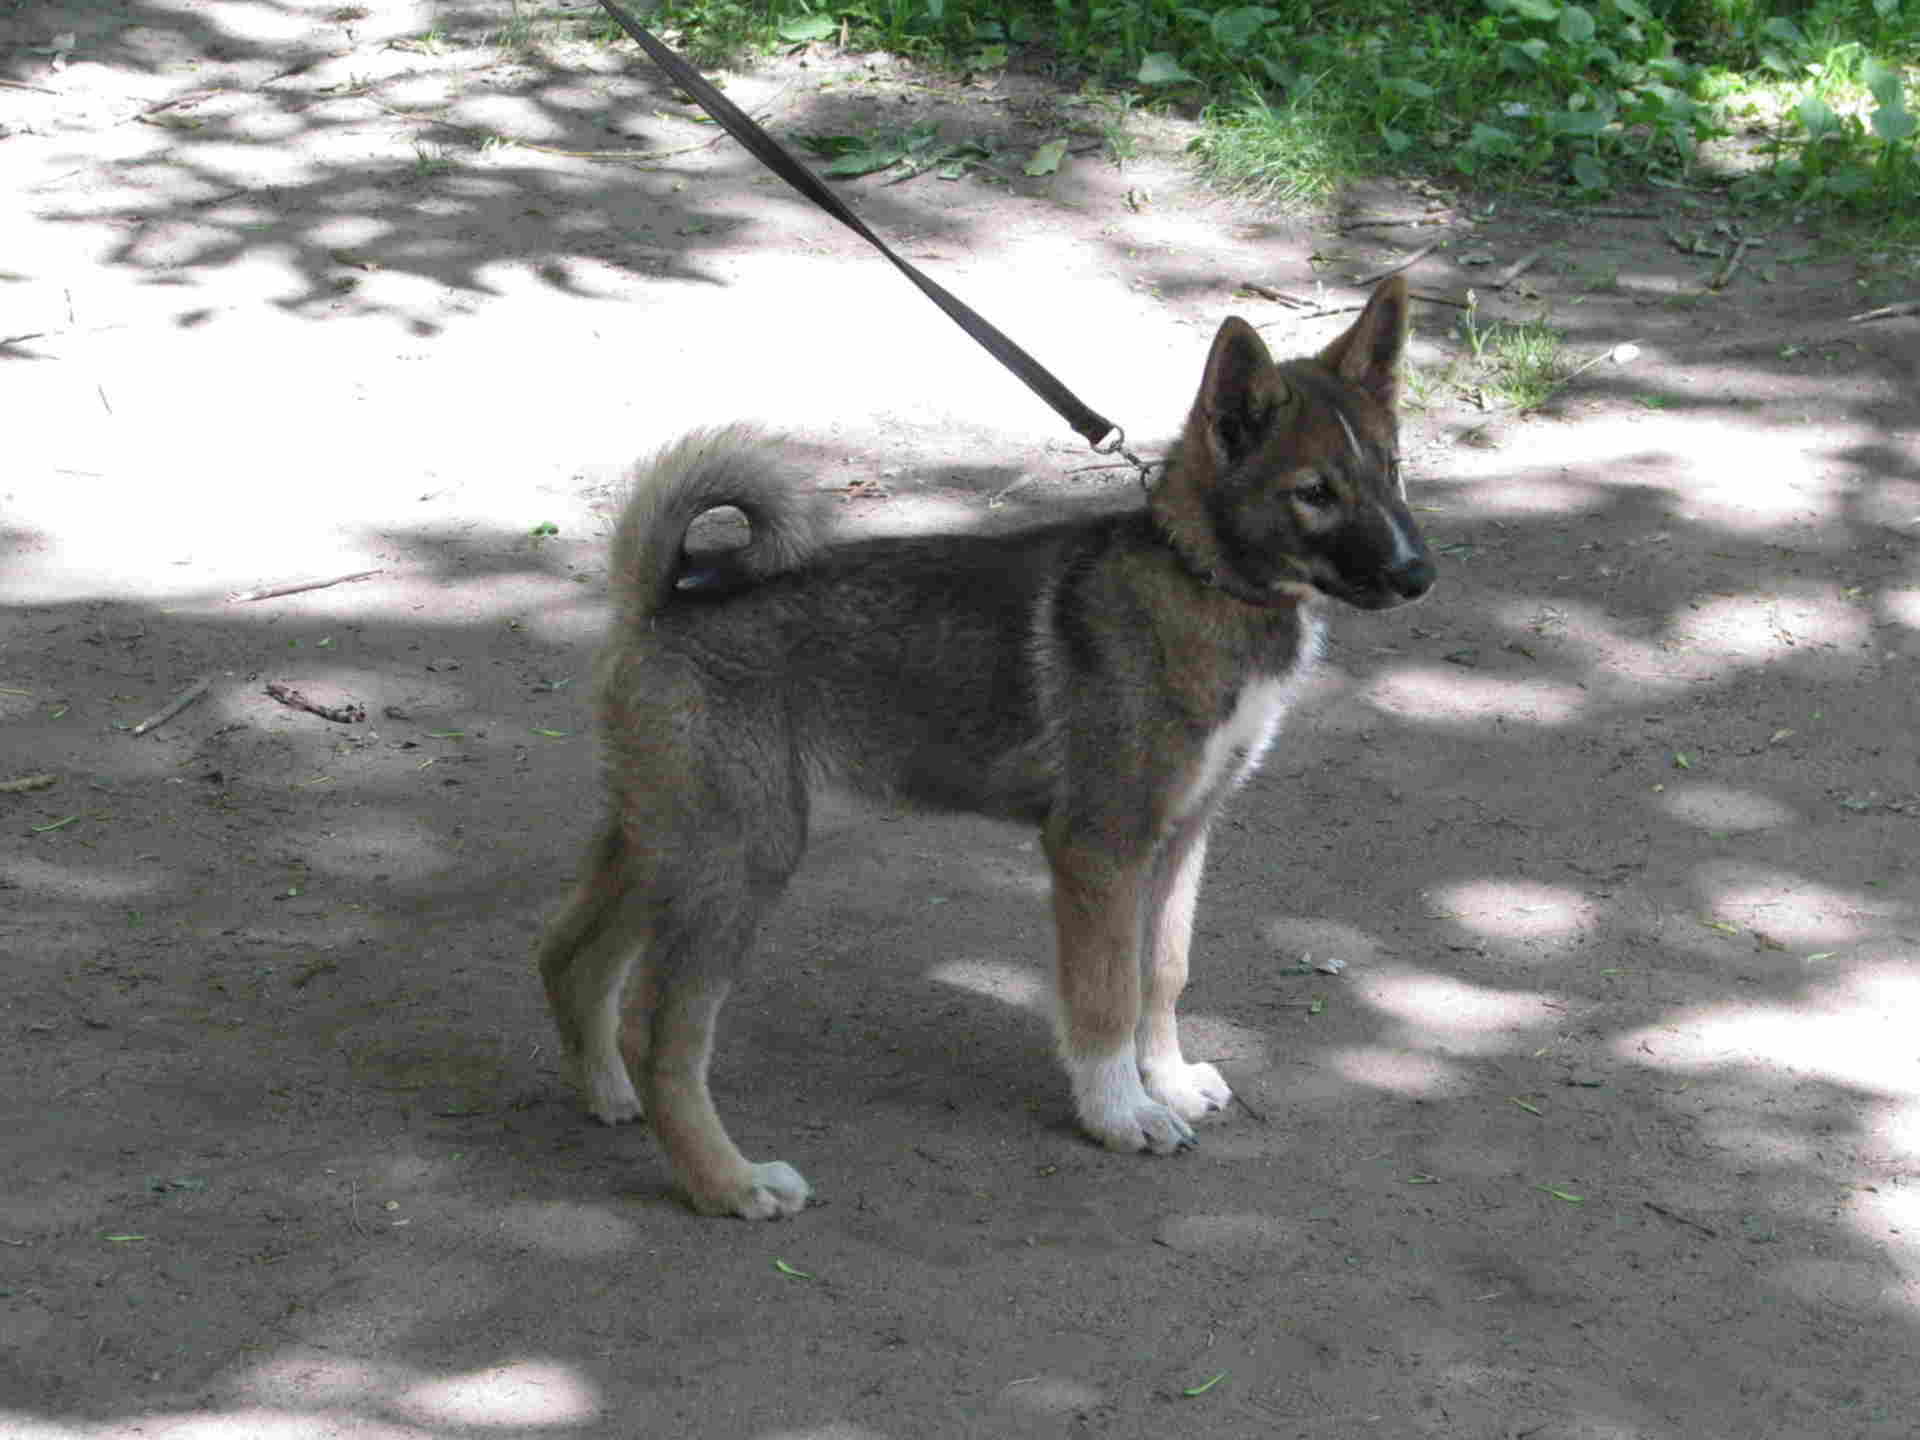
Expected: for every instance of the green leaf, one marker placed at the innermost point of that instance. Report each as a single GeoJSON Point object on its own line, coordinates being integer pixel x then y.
{"type": "Point", "coordinates": [1233, 29]}
{"type": "Point", "coordinates": [1576, 25]}
{"type": "Point", "coordinates": [1490, 139]}
{"type": "Point", "coordinates": [877, 155]}
{"type": "Point", "coordinates": [1893, 125]}
{"type": "Point", "coordinates": [829, 145]}
{"type": "Point", "coordinates": [1160, 68]}
{"type": "Point", "coordinates": [1588, 172]}
{"type": "Point", "coordinates": [1545, 11]}
{"type": "Point", "coordinates": [1884, 81]}
{"type": "Point", "coordinates": [1580, 124]}
{"type": "Point", "coordinates": [809, 27]}
{"type": "Point", "coordinates": [1817, 118]}
{"type": "Point", "coordinates": [1046, 160]}
{"type": "Point", "coordinates": [1785, 31]}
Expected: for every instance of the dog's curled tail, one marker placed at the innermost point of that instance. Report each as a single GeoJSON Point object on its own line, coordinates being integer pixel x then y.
{"type": "Point", "coordinates": [734, 465]}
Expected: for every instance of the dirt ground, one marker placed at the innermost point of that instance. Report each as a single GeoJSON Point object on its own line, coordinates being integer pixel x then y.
{"type": "Point", "coordinates": [1609, 1127]}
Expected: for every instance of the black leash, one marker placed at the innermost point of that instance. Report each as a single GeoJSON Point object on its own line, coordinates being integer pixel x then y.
{"type": "Point", "coordinates": [1092, 425]}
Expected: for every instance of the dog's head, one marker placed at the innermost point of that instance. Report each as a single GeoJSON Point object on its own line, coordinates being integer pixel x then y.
{"type": "Point", "coordinates": [1288, 475]}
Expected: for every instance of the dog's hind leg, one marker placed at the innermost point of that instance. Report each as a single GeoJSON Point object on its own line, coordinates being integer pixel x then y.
{"type": "Point", "coordinates": [1167, 923]}
{"type": "Point", "coordinates": [588, 962]}
{"type": "Point", "coordinates": [717, 1178]}
{"type": "Point", "coordinates": [1096, 911]}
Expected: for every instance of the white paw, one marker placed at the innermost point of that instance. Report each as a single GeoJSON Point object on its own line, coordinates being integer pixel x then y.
{"type": "Point", "coordinates": [778, 1191]}
{"type": "Point", "coordinates": [1190, 1091]}
{"type": "Point", "coordinates": [607, 1089]}
{"type": "Point", "coordinates": [1115, 1108]}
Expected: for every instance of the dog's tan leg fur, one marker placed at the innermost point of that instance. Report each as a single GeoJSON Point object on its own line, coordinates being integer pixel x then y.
{"type": "Point", "coordinates": [1190, 1091]}
{"type": "Point", "coordinates": [718, 1179]}
{"type": "Point", "coordinates": [587, 962]}
{"type": "Point", "coordinates": [1096, 911]}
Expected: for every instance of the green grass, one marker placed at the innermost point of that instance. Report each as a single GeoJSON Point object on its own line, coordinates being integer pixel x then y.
{"type": "Point", "coordinates": [1582, 97]}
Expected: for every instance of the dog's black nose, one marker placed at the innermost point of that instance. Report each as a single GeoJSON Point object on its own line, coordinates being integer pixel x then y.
{"type": "Point", "coordinates": [1414, 578]}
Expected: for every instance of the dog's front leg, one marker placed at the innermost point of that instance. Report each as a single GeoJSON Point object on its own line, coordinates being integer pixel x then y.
{"type": "Point", "coordinates": [1167, 923]}
{"type": "Point", "coordinates": [1096, 912]}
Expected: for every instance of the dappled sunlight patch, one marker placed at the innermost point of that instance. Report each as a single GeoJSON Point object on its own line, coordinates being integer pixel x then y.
{"type": "Point", "coordinates": [1447, 696]}
{"type": "Point", "coordinates": [1402, 1072]}
{"type": "Point", "coordinates": [569, 1228]}
{"type": "Point", "coordinates": [1756, 628]}
{"type": "Point", "coordinates": [72, 882]}
{"type": "Point", "coordinates": [1850, 1286]}
{"type": "Point", "coordinates": [1477, 1019]}
{"type": "Point", "coordinates": [1722, 807]}
{"type": "Point", "coordinates": [518, 1393]}
{"type": "Point", "coordinates": [1605, 647]}
{"type": "Point", "coordinates": [1529, 496]}
{"type": "Point", "coordinates": [1243, 1232]}
{"type": "Point", "coordinates": [311, 1394]}
{"type": "Point", "coordinates": [1890, 502]}
{"type": "Point", "coordinates": [1515, 909]}
{"type": "Point", "coordinates": [221, 1425]}
{"type": "Point", "coordinates": [1051, 1395]}
{"type": "Point", "coordinates": [1856, 1032]}
{"type": "Point", "coordinates": [1902, 607]}
{"type": "Point", "coordinates": [315, 1379]}
{"type": "Point", "coordinates": [1888, 1214]}
{"type": "Point", "coordinates": [1010, 984]}
{"type": "Point", "coordinates": [377, 844]}
{"type": "Point", "coordinates": [1748, 486]}
{"type": "Point", "coordinates": [1788, 908]}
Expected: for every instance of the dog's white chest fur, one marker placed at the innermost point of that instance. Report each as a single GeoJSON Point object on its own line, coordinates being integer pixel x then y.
{"type": "Point", "coordinates": [1235, 749]}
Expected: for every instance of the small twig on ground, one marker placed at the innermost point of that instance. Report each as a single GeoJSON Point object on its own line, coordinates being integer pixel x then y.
{"type": "Point", "coordinates": [347, 714]}
{"type": "Point", "coordinates": [1726, 271]}
{"type": "Point", "coordinates": [1368, 222]}
{"type": "Point", "coordinates": [1888, 312]}
{"type": "Point", "coordinates": [179, 702]}
{"type": "Point", "coordinates": [1617, 214]}
{"type": "Point", "coordinates": [1680, 1219]}
{"type": "Point", "coordinates": [1575, 374]}
{"type": "Point", "coordinates": [271, 592]}
{"type": "Point", "coordinates": [1402, 264]}
{"type": "Point", "coordinates": [1518, 268]}
{"type": "Point", "coordinates": [26, 783]}
{"type": "Point", "coordinates": [1279, 297]}
{"type": "Point", "coordinates": [1248, 1106]}
{"type": "Point", "coordinates": [23, 85]}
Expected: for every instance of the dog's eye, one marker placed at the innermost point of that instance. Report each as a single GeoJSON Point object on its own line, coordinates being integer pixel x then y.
{"type": "Point", "coordinates": [1317, 493]}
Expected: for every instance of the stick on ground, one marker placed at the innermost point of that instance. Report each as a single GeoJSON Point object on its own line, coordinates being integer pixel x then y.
{"type": "Point", "coordinates": [179, 702]}
{"type": "Point", "coordinates": [1398, 265]}
{"type": "Point", "coordinates": [295, 587]}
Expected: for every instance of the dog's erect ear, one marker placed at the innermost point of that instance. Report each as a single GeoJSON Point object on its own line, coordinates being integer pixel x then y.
{"type": "Point", "coordinates": [1241, 391]}
{"type": "Point", "coordinates": [1368, 355]}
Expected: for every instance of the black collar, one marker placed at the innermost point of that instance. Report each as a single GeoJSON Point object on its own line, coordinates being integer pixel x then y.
{"type": "Point", "coordinates": [1219, 578]}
